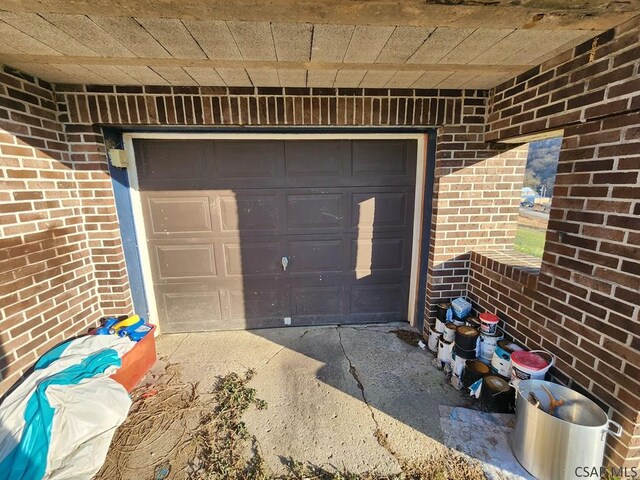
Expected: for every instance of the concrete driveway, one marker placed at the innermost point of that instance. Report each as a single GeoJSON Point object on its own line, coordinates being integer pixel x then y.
{"type": "Point", "coordinates": [348, 397]}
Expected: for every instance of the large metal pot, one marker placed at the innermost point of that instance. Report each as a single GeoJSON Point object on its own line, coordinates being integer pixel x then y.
{"type": "Point", "coordinates": [558, 446]}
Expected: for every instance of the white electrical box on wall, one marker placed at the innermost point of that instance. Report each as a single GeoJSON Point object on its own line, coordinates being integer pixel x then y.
{"type": "Point", "coordinates": [118, 158]}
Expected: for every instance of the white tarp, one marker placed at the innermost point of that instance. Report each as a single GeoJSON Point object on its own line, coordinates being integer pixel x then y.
{"type": "Point", "coordinates": [59, 422]}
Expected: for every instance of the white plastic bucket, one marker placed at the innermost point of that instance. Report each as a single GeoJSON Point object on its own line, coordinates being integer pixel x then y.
{"type": "Point", "coordinates": [530, 365]}
{"type": "Point", "coordinates": [444, 351]}
{"type": "Point", "coordinates": [432, 342]}
{"type": "Point", "coordinates": [487, 345]}
{"type": "Point", "coordinates": [449, 332]}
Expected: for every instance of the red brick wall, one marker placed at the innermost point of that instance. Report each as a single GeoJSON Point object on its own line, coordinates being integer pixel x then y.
{"type": "Point", "coordinates": [583, 306]}
{"type": "Point", "coordinates": [596, 79]}
{"type": "Point", "coordinates": [249, 106]}
{"type": "Point", "coordinates": [475, 206]}
{"type": "Point", "coordinates": [47, 283]}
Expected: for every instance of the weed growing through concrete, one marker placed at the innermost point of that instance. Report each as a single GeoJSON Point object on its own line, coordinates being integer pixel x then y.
{"type": "Point", "coordinates": [222, 436]}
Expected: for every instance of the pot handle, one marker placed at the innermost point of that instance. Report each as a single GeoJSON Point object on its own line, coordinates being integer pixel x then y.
{"type": "Point", "coordinates": [617, 432]}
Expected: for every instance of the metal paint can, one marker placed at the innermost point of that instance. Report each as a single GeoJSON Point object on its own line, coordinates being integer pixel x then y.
{"type": "Point", "coordinates": [488, 323]}
{"type": "Point", "coordinates": [441, 311]}
{"type": "Point", "coordinates": [466, 338]}
{"type": "Point", "coordinates": [440, 325]}
{"type": "Point", "coordinates": [497, 395]}
{"type": "Point", "coordinates": [501, 360]}
{"type": "Point", "coordinates": [474, 370]}
{"type": "Point", "coordinates": [457, 364]}
{"type": "Point", "coordinates": [488, 344]}
{"type": "Point", "coordinates": [449, 332]}
{"type": "Point", "coordinates": [444, 351]}
{"type": "Point", "coordinates": [432, 342]}
{"type": "Point", "coordinates": [472, 321]}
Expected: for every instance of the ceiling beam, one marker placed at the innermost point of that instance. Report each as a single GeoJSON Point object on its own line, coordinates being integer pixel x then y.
{"type": "Point", "coordinates": [544, 14]}
{"type": "Point", "coordinates": [10, 59]}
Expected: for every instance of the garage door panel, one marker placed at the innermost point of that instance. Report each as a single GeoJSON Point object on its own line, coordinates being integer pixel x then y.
{"type": "Point", "coordinates": [179, 215]}
{"type": "Point", "coordinates": [382, 158]}
{"type": "Point", "coordinates": [250, 212]}
{"type": "Point", "coordinates": [311, 304]}
{"type": "Point", "coordinates": [374, 209]}
{"type": "Point", "coordinates": [179, 262]}
{"type": "Point", "coordinates": [258, 304]}
{"type": "Point", "coordinates": [384, 299]}
{"type": "Point", "coordinates": [371, 255]}
{"type": "Point", "coordinates": [252, 258]}
{"type": "Point", "coordinates": [188, 308]}
{"type": "Point", "coordinates": [166, 161]}
{"type": "Point", "coordinates": [314, 158]}
{"type": "Point", "coordinates": [248, 160]}
{"type": "Point", "coordinates": [316, 255]}
{"type": "Point", "coordinates": [315, 210]}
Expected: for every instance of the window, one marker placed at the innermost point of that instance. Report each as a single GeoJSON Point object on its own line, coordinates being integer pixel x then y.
{"type": "Point", "coordinates": [535, 198]}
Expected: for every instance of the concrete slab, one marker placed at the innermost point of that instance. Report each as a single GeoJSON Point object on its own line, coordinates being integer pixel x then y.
{"type": "Point", "coordinates": [486, 436]}
{"type": "Point", "coordinates": [264, 77]}
{"type": "Point", "coordinates": [316, 411]}
{"type": "Point", "coordinates": [403, 43]}
{"type": "Point", "coordinates": [402, 387]}
{"type": "Point", "coordinates": [349, 78]}
{"type": "Point", "coordinates": [439, 43]}
{"type": "Point", "coordinates": [292, 77]}
{"type": "Point", "coordinates": [175, 75]}
{"type": "Point", "coordinates": [236, 77]}
{"type": "Point", "coordinates": [130, 34]}
{"type": "Point", "coordinates": [366, 43]}
{"type": "Point", "coordinates": [254, 40]}
{"type": "Point", "coordinates": [214, 37]}
{"type": "Point", "coordinates": [292, 41]}
{"type": "Point", "coordinates": [173, 36]}
{"type": "Point", "coordinates": [88, 33]}
{"type": "Point", "coordinates": [355, 398]}
{"type": "Point", "coordinates": [330, 42]}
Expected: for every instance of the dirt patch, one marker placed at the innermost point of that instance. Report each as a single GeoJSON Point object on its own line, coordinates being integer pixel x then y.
{"type": "Point", "coordinates": [407, 336]}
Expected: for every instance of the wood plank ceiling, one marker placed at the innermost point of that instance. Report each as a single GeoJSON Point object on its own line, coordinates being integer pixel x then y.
{"type": "Point", "coordinates": [86, 47]}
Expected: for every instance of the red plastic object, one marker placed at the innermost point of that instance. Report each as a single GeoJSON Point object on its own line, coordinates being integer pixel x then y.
{"type": "Point", "coordinates": [137, 361]}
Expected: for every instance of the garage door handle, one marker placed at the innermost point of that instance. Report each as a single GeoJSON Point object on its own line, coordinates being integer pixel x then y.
{"type": "Point", "coordinates": [285, 263]}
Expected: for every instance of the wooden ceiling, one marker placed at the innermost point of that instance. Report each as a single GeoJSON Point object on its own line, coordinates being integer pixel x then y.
{"type": "Point", "coordinates": [192, 43]}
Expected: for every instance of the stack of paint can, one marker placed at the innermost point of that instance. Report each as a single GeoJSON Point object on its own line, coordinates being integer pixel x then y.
{"type": "Point", "coordinates": [443, 335]}
{"type": "Point", "coordinates": [436, 330]}
{"type": "Point", "coordinates": [466, 340]}
{"type": "Point", "coordinates": [490, 334]}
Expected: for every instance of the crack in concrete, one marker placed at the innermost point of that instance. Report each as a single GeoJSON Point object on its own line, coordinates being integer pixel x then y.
{"type": "Point", "coordinates": [379, 435]}
{"type": "Point", "coordinates": [281, 349]}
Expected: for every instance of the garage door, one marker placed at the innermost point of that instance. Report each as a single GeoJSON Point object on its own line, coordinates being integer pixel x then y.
{"type": "Point", "coordinates": [260, 233]}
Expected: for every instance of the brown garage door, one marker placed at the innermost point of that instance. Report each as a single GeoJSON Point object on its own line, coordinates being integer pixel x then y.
{"type": "Point", "coordinates": [221, 216]}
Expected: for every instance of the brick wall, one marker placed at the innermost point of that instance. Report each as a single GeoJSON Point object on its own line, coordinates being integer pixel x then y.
{"type": "Point", "coordinates": [47, 284]}
{"type": "Point", "coordinates": [583, 305]}
{"type": "Point", "coordinates": [596, 79]}
{"type": "Point", "coordinates": [249, 106]}
{"type": "Point", "coordinates": [475, 206]}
